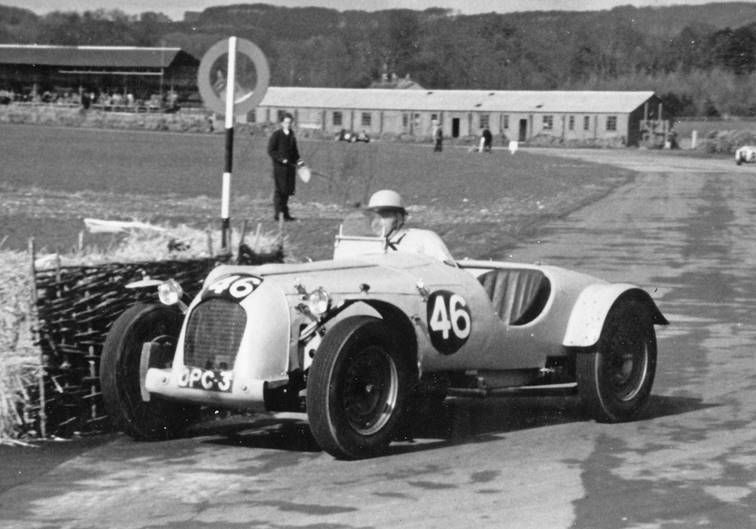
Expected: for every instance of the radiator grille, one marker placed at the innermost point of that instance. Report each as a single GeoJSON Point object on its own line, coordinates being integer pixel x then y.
{"type": "Point", "coordinates": [213, 334]}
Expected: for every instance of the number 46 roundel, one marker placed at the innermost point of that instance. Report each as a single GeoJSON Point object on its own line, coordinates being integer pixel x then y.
{"type": "Point", "coordinates": [449, 321]}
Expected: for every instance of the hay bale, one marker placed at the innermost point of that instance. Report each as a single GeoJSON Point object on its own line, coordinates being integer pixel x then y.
{"type": "Point", "coordinates": [20, 357]}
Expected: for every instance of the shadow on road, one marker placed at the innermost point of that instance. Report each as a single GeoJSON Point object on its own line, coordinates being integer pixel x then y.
{"type": "Point", "coordinates": [664, 406]}
{"type": "Point", "coordinates": [455, 421]}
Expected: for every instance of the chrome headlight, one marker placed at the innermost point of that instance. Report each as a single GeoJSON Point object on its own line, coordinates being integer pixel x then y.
{"type": "Point", "coordinates": [318, 301]}
{"type": "Point", "coordinates": [170, 292]}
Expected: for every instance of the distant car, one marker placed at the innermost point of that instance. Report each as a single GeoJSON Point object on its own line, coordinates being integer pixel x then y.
{"type": "Point", "coordinates": [746, 154]}
{"type": "Point", "coordinates": [357, 341]}
{"type": "Point", "coordinates": [352, 137]}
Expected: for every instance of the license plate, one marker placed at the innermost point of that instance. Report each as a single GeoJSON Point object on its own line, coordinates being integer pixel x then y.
{"type": "Point", "coordinates": [206, 379]}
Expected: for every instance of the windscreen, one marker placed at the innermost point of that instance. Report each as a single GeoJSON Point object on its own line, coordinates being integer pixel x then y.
{"type": "Point", "coordinates": [362, 223]}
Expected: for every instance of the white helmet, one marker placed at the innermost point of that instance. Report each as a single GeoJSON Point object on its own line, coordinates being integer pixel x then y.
{"type": "Point", "coordinates": [386, 199]}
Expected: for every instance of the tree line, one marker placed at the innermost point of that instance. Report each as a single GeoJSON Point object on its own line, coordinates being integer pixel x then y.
{"type": "Point", "coordinates": [697, 68]}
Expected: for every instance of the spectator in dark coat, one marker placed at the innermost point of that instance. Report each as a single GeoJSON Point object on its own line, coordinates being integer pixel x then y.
{"type": "Point", "coordinates": [487, 139]}
{"type": "Point", "coordinates": [282, 148]}
{"type": "Point", "coordinates": [438, 137]}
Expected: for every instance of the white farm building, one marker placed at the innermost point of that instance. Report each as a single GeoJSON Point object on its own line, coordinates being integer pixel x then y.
{"type": "Point", "coordinates": [517, 114]}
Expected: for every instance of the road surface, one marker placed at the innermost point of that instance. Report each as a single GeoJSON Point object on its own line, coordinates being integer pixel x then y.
{"type": "Point", "coordinates": [684, 230]}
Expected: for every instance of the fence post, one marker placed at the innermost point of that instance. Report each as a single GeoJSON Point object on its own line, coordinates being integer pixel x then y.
{"type": "Point", "coordinates": [35, 330]}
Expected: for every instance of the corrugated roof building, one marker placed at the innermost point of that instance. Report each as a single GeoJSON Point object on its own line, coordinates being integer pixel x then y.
{"type": "Point", "coordinates": [24, 68]}
{"type": "Point", "coordinates": [513, 114]}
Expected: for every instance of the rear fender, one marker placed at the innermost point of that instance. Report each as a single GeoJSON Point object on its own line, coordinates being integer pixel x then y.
{"type": "Point", "coordinates": [592, 307]}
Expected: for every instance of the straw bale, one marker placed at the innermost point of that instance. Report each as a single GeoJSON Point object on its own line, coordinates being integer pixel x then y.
{"type": "Point", "coordinates": [20, 357]}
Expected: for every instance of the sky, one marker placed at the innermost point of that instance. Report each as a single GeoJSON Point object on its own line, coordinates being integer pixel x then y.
{"type": "Point", "coordinates": [175, 8]}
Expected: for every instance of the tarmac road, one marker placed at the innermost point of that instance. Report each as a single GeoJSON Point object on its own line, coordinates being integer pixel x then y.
{"type": "Point", "coordinates": [684, 229]}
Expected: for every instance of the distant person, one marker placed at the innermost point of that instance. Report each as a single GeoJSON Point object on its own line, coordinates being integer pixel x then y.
{"type": "Point", "coordinates": [438, 137]}
{"type": "Point", "coordinates": [486, 140]}
{"type": "Point", "coordinates": [392, 216]}
{"type": "Point", "coordinates": [672, 139]}
{"type": "Point", "coordinates": [282, 149]}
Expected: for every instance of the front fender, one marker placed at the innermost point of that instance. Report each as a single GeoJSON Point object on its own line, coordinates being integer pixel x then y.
{"type": "Point", "coordinates": [592, 307]}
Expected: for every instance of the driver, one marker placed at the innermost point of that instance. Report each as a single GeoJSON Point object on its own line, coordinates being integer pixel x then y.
{"type": "Point", "coordinates": [390, 221]}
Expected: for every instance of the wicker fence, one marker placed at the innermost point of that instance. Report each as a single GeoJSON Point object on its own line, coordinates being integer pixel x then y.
{"type": "Point", "coordinates": [76, 305]}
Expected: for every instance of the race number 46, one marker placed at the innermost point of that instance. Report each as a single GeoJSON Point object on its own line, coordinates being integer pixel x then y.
{"type": "Point", "coordinates": [235, 286]}
{"type": "Point", "coordinates": [449, 321]}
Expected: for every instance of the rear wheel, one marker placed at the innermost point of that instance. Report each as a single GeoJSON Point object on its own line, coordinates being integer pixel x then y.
{"type": "Point", "coordinates": [156, 419]}
{"type": "Point", "coordinates": [615, 380]}
{"type": "Point", "coordinates": [357, 388]}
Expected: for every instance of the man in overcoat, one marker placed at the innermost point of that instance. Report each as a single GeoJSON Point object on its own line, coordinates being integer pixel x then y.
{"type": "Point", "coordinates": [282, 148]}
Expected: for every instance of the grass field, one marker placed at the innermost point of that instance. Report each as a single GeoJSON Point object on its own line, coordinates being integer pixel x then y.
{"type": "Point", "coordinates": [51, 178]}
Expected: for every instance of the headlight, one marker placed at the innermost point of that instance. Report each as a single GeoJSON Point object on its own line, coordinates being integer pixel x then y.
{"type": "Point", "coordinates": [170, 292]}
{"type": "Point", "coordinates": [318, 302]}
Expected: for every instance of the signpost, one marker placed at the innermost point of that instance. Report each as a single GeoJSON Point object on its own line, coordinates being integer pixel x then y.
{"type": "Point", "coordinates": [228, 95]}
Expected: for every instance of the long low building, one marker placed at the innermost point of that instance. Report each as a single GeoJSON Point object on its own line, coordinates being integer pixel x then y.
{"type": "Point", "coordinates": [30, 68]}
{"type": "Point", "coordinates": [516, 114]}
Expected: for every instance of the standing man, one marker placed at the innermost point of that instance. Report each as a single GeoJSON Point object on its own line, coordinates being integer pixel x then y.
{"type": "Point", "coordinates": [438, 137]}
{"type": "Point", "coordinates": [487, 139]}
{"type": "Point", "coordinates": [282, 148]}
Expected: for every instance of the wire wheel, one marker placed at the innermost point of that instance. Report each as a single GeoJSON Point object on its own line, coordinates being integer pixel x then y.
{"type": "Point", "coordinates": [156, 419]}
{"type": "Point", "coordinates": [357, 387]}
{"type": "Point", "coordinates": [369, 390]}
{"type": "Point", "coordinates": [615, 379]}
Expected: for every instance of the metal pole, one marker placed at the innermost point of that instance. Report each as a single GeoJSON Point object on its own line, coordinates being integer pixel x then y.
{"type": "Point", "coordinates": [226, 191]}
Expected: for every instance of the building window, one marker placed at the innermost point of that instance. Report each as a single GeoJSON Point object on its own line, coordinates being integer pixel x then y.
{"type": "Point", "coordinates": [611, 122]}
{"type": "Point", "coordinates": [405, 120]}
{"type": "Point", "coordinates": [367, 118]}
{"type": "Point", "coordinates": [571, 123]}
{"type": "Point", "coordinates": [337, 118]}
{"type": "Point", "coordinates": [586, 122]}
{"type": "Point", "coordinates": [548, 122]}
{"type": "Point", "coordinates": [281, 114]}
{"type": "Point", "coordinates": [485, 120]}
{"type": "Point", "coordinates": [505, 122]}
{"type": "Point", "coordinates": [434, 117]}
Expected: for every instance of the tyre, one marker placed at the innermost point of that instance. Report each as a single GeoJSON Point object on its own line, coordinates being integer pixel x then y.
{"type": "Point", "coordinates": [614, 380]}
{"type": "Point", "coordinates": [120, 379]}
{"type": "Point", "coordinates": [357, 388]}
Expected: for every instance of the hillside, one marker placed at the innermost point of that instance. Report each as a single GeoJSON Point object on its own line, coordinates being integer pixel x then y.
{"type": "Point", "coordinates": [700, 59]}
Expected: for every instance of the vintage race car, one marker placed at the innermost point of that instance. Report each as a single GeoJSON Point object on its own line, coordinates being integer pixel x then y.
{"type": "Point", "coordinates": [356, 342]}
{"type": "Point", "coordinates": [745, 154]}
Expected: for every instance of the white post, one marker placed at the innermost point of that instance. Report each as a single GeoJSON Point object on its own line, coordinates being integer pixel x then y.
{"type": "Point", "coordinates": [226, 189]}
{"type": "Point", "coordinates": [694, 139]}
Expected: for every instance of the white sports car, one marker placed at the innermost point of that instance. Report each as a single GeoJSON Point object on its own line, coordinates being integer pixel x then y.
{"type": "Point", "coordinates": [355, 340]}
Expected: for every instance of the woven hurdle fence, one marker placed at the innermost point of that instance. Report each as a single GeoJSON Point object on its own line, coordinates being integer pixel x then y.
{"type": "Point", "coordinates": [75, 308]}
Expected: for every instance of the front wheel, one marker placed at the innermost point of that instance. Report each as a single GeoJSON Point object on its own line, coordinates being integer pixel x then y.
{"type": "Point", "coordinates": [120, 374]}
{"type": "Point", "coordinates": [614, 380]}
{"type": "Point", "coordinates": [357, 387]}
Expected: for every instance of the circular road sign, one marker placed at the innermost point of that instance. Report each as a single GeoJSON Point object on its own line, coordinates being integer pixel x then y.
{"type": "Point", "coordinates": [252, 76]}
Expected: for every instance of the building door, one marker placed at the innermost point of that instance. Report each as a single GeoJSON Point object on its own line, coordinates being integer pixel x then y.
{"type": "Point", "coordinates": [455, 127]}
{"type": "Point", "coordinates": [523, 130]}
